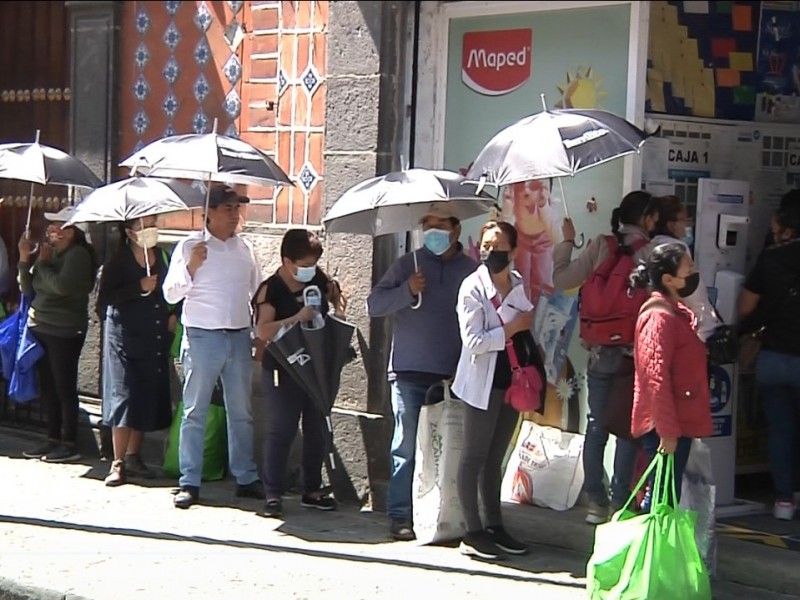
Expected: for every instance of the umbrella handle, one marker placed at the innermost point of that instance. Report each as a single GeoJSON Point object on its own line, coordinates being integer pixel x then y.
{"type": "Point", "coordinates": [566, 208]}
{"type": "Point", "coordinates": [418, 303]}
{"type": "Point", "coordinates": [580, 244]}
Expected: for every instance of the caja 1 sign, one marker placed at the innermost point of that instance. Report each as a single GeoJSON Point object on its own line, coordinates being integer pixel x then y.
{"type": "Point", "coordinates": [494, 63]}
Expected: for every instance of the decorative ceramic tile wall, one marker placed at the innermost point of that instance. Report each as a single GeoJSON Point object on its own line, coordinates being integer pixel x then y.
{"type": "Point", "coordinates": [256, 67]}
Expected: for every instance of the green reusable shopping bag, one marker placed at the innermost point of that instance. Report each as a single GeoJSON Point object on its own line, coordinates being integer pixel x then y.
{"type": "Point", "coordinates": [652, 556]}
{"type": "Point", "coordinates": [215, 449]}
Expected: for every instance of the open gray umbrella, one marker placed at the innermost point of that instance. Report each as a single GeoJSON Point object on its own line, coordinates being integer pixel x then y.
{"type": "Point", "coordinates": [395, 202]}
{"type": "Point", "coordinates": [555, 144]}
{"type": "Point", "coordinates": [134, 198]}
{"type": "Point", "coordinates": [43, 165]}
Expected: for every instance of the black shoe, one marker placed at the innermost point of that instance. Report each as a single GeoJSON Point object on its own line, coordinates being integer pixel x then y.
{"type": "Point", "coordinates": [40, 451]}
{"type": "Point", "coordinates": [273, 509]}
{"type": "Point", "coordinates": [188, 496]}
{"type": "Point", "coordinates": [505, 542]}
{"type": "Point", "coordinates": [252, 490]}
{"type": "Point", "coordinates": [402, 530]}
{"type": "Point", "coordinates": [62, 454]}
{"type": "Point", "coordinates": [480, 545]}
{"type": "Point", "coordinates": [135, 467]}
{"type": "Point", "coordinates": [323, 502]}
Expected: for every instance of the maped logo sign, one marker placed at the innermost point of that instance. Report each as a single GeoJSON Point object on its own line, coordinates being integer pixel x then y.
{"type": "Point", "coordinates": [494, 63]}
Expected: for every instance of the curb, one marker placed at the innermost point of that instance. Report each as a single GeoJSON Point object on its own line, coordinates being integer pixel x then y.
{"type": "Point", "coordinates": [11, 590]}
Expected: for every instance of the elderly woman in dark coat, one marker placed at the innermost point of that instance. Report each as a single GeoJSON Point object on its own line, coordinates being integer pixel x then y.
{"type": "Point", "coordinates": [136, 355]}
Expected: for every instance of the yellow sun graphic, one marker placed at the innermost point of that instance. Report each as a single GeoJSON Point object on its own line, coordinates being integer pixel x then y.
{"type": "Point", "coordinates": [583, 89]}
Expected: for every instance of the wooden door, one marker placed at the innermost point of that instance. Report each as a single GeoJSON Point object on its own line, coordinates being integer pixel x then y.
{"type": "Point", "coordinates": [34, 94]}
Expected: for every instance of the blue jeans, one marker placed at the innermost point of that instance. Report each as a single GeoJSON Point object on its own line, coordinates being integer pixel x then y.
{"type": "Point", "coordinates": [407, 399]}
{"type": "Point", "coordinates": [602, 371]}
{"type": "Point", "coordinates": [209, 355]}
{"type": "Point", "coordinates": [778, 378]}
{"type": "Point", "coordinates": [650, 443]}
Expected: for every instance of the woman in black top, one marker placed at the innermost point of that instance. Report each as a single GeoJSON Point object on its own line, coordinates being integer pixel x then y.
{"type": "Point", "coordinates": [773, 288]}
{"type": "Point", "coordinates": [136, 350]}
{"type": "Point", "coordinates": [279, 303]}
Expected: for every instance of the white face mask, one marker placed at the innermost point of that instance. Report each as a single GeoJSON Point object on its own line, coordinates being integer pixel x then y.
{"type": "Point", "coordinates": [147, 237]}
{"type": "Point", "coordinates": [305, 274]}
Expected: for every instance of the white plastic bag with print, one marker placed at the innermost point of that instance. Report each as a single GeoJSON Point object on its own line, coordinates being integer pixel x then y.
{"type": "Point", "coordinates": [545, 468]}
{"type": "Point", "coordinates": [698, 493]}
{"type": "Point", "coordinates": [440, 439]}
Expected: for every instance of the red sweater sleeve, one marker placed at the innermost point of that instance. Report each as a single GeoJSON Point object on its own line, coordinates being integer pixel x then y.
{"type": "Point", "coordinates": [657, 339]}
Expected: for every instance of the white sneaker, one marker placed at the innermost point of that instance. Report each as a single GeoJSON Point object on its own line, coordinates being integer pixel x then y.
{"type": "Point", "coordinates": [783, 511]}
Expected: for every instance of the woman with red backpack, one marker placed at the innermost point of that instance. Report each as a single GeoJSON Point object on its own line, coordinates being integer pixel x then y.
{"type": "Point", "coordinates": [608, 312]}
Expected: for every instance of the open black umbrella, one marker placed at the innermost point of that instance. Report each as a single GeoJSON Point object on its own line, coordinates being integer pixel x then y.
{"type": "Point", "coordinates": [555, 144]}
{"type": "Point", "coordinates": [315, 359]}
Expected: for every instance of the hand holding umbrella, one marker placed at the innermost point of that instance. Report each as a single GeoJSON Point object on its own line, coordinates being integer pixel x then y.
{"type": "Point", "coordinates": [416, 283]}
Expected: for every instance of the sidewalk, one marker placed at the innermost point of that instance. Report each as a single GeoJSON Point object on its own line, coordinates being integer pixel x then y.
{"type": "Point", "coordinates": [65, 535]}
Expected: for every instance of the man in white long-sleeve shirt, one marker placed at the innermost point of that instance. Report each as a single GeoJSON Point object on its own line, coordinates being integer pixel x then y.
{"type": "Point", "coordinates": [216, 275]}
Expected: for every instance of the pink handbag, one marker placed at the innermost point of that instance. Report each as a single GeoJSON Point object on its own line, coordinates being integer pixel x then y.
{"type": "Point", "coordinates": [524, 393]}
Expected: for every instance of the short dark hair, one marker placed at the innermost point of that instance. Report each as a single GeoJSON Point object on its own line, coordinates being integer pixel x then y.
{"type": "Point", "coordinates": [298, 244]}
{"type": "Point", "coordinates": [669, 208]}
{"type": "Point", "coordinates": [789, 218]}
{"type": "Point", "coordinates": [506, 228]}
{"type": "Point", "coordinates": [790, 199]}
{"type": "Point", "coordinates": [664, 260]}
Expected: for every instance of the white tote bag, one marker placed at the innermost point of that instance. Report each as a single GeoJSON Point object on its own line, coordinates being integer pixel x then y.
{"type": "Point", "coordinates": [440, 439]}
{"type": "Point", "coordinates": [545, 468]}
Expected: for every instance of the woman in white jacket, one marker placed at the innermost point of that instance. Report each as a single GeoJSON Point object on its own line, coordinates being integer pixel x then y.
{"type": "Point", "coordinates": [482, 377]}
{"type": "Point", "coordinates": [674, 225]}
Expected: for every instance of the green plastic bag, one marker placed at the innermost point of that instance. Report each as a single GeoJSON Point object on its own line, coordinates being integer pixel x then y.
{"type": "Point", "coordinates": [215, 449]}
{"type": "Point", "coordinates": [652, 556]}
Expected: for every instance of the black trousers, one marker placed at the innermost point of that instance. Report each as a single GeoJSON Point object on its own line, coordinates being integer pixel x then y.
{"type": "Point", "coordinates": [58, 382]}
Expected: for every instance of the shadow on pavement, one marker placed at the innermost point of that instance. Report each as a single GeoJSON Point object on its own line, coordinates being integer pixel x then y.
{"type": "Point", "coordinates": [326, 554]}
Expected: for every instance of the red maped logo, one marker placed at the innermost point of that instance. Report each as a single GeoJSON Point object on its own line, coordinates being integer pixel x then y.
{"type": "Point", "coordinates": [496, 62]}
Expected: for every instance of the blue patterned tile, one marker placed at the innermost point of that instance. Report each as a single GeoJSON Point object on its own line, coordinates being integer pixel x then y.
{"type": "Point", "coordinates": [138, 146]}
{"type": "Point", "coordinates": [172, 37]}
{"type": "Point", "coordinates": [311, 79]}
{"type": "Point", "coordinates": [141, 88]}
{"type": "Point", "coordinates": [200, 122]}
{"type": "Point", "coordinates": [142, 56]}
{"type": "Point", "coordinates": [234, 34]}
{"type": "Point", "coordinates": [142, 21]}
{"type": "Point", "coordinates": [202, 52]}
{"type": "Point", "coordinates": [171, 70]}
{"type": "Point", "coordinates": [140, 122]}
{"type": "Point", "coordinates": [202, 18]}
{"type": "Point", "coordinates": [308, 177]}
{"type": "Point", "coordinates": [231, 131]}
{"type": "Point", "coordinates": [172, 6]}
{"type": "Point", "coordinates": [281, 82]}
{"type": "Point", "coordinates": [232, 104]}
{"type": "Point", "coordinates": [235, 6]}
{"type": "Point", "coordinates": [170, 105]}
{"type": "Point", "coordinates": [233, 69]}
{"type": "Point", "coordinates": [201, 88]}
{"type": "Point", "coordinates": [170, 130]}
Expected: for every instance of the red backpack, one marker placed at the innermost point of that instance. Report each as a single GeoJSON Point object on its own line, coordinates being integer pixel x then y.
{"type": "Point", "coordinates": [609, 306]}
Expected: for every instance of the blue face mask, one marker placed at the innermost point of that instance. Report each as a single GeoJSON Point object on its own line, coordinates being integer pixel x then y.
{"type": "Point", "coordinates": [437, 240]}
{"type": "Point", "coordinates": [688, 237]}
{"type": "Point", "coordinates": [305, 274]}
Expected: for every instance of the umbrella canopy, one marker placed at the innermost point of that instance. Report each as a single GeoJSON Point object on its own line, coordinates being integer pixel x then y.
{"type": "Point", "coordinates": [135, 198]}
{"type": "Point", "coordinates": [315, 359]}
{"type": "Point", "coordinates": [396, 202]}
{"type": "Point", "coordinates": [207, 157]}
{"type": "Point", "coordinates": [37, 163]}
{"type": "Point", "coordinates": [555, 144]}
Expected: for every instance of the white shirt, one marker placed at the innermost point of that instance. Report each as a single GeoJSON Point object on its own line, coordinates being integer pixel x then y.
{"type": "Point", "coordinates": [219, 296]}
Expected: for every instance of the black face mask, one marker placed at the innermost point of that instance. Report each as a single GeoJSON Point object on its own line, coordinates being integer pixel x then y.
{"type": "Point", "coordinates": [692, 282]}
{"type": "Point", "coordinates": [496, 260]}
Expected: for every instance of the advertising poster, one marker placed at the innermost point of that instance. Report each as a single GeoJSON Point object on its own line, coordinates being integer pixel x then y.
{"type": "Point", "coordinates": [778, 66]}
{"type": "Point", "coordinates": [497, 68]}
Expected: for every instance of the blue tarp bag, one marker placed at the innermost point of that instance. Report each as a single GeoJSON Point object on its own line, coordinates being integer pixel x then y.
{"type": "Point", "coordinates": [19, 353]}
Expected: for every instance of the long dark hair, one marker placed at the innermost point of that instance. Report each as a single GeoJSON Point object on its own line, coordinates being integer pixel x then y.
{"type": "Point", "coordinates": [630, 211]}
{"type": "Point", "coordinates": [79, 239]}
{"type": "Point", "coordinates": [664, 260]}
{"type": "Point", "coordinates": [669, 209]}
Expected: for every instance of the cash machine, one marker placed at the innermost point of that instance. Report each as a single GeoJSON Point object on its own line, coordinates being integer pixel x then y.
{"type": "Point", "coordinates": [720, 253]}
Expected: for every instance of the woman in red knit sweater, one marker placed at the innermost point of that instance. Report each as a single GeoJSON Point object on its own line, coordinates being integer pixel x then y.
{"type": "Point", "coordinates": [671, 402]}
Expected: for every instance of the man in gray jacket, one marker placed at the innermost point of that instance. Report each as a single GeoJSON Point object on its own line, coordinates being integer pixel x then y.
{"type": "Point", "coordinates": [425, 343]}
